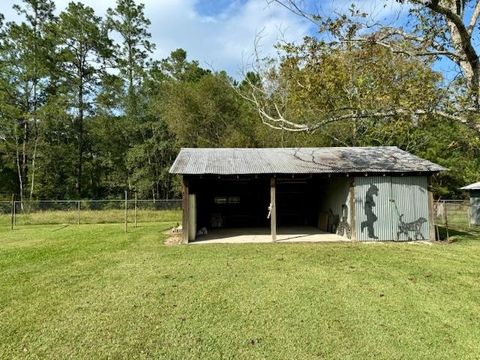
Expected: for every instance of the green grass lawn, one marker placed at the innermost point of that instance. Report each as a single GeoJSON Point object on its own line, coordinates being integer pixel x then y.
{"type": "Point", "coordinates": [92, 217]}
{"type": "Point", "coordinates": [90, 291]}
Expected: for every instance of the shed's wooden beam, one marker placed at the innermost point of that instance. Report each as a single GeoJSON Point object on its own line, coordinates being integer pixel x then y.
{"type": "Point", "coordinates": [273, 209]}
{"type": "Point", "coordinates": [186, 212]}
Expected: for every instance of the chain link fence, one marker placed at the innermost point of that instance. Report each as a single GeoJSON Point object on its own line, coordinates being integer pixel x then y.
{"type": "Point", "coordinates": [452, 217]}
{"type": "Point", "coordinates": [448, 214]}
{"type": "Point", "coordinates": [452, 213]}
{"type": "Point", "coordinates": [133, 211]}
{"type": "Point", "coordinates": [5, 207]}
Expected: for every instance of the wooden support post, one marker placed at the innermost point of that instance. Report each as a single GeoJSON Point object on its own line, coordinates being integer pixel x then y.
{"type": "Point", "coordinates": [126, 211]}
{"type": "Point", "coordinates": [431, 211]}
{"type": "Point", "coordinates": [13, 210]}
{"type": "Point", "coordinates": [185, 207]}
{"type": "Point", "coordinates": [273, 209]}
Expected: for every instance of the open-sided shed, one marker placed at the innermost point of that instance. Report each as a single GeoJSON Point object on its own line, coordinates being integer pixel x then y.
{"type": "Point", "coordinates": [474, 192]}
{"type": "Point", "coordinates": [360, 193]}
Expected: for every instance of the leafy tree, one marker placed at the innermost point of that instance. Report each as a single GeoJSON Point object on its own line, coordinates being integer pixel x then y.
{"type": "Point", "coordinates": [25, 53]}
{"type": "Point", "coordinates": [9, 138]}
{"type": "Point", "coordinates": [149, 161]}
{"type": "Point", "coordinates": [176, 67]}
{"type": "Point", "coordinates": [129, 21]}
{"type": "Point", "coordinates": [203, 113]}
{"type": "Point", "coordinates": [83, 47]}
{"type": "Point", "coordinates": [58, 157]}
{"type": "Point", "coordinates": [316, 85]}
{"type": "Point", "coordinates": [435, 29]}
{"type": "Point", "coordinates": [154, 146]}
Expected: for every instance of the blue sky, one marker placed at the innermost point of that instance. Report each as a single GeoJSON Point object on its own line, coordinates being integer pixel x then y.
{"type": "Point", "coordinates": [218, 33]}
{"type": "Point", "coordinates": [221, 33]}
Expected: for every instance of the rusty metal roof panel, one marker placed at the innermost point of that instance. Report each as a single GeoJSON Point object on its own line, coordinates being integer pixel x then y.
{"type": "Point", "coordinates": [238, 161]}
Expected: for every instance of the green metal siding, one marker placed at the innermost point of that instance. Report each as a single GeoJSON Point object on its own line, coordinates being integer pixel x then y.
{"type": "Point", "coordinates": [381, 209]}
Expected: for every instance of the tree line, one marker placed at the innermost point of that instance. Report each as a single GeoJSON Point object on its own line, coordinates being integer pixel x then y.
{"type": "Point", "coordinates": [87, 111]}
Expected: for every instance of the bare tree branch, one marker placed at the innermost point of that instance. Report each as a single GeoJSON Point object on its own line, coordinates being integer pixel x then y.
{"type": "Point", "coordinates": [474, 18]}
{"type": "Point", "coordinates": [458, 45]}
{"type": "Point", "coordinates": [270, 102]}
{"type": "Point", "coordinates": [295, 8]}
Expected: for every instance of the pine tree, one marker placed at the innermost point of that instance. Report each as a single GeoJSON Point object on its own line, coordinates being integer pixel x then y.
{"type": "Point", "coordinates": [25, 49]}
{"type": "Point", "coordinates": [128, 20]}
{"type": "Point", "coordinates": [84, 47]}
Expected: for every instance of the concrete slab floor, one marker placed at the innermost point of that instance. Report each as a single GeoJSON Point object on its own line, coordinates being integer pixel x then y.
{"type": "Point", "coordinates": [262, 235]}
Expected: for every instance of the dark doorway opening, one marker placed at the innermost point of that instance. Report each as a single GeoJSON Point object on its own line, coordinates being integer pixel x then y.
{"type": "Point", "coordinates": [297, 202]}
{"type": "Point", "coordinates": [232, 203]}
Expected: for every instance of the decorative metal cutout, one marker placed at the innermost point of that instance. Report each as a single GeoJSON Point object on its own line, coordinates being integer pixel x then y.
{"type": "Point", "coordinates": [368, 207]}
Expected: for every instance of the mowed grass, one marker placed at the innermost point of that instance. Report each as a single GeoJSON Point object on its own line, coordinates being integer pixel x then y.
{"type": "Point", "coordinates": [90, 291]}
{"type": "Point", "coordinates": [92, 217]}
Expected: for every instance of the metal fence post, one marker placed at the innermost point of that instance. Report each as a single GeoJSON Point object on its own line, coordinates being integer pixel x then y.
{"type": "Point", "coordinates": [469, 214]}
{"type": "Point", "coordinates": [78, 212]}
{"type": "Point", "coordinates": [126, 211]}
{"type": "Point", "coordinates": [443, 213]}
{"type": "Point", "coordinates": [15, 213]}
{"type": "Point", "coordinates": [446, 220]}
{"type": "Point", "coordinates": [13, 210]}
{"type": "Point", "coordinates": [135, 209]}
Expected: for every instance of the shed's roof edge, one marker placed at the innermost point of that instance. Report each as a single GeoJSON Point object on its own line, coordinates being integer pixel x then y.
{"type": "Point", "coordinates": [300, 160]}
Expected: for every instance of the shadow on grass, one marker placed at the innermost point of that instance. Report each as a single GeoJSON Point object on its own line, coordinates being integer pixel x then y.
{"type": "Point", "coordinates": [61, 228]}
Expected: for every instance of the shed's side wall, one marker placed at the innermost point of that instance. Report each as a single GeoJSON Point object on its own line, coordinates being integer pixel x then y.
{"type": "Point", "coordinates": [475, 207]}
{"type": "Point", "coordinates": [380, 202]}
{"type": "Point", "coordinates": [336, 195]}
{"type": "Point", "coordinates": [335, 201]}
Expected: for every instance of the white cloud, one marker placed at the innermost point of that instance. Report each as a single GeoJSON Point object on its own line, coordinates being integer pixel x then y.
{"type": "Point", "coordinates": [224, 39]}
{"type": "Point", "coordinates": [221, 41]}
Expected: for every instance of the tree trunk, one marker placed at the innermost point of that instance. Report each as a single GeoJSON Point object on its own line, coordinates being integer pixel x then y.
{"type": "Point", "coordinates": [19, 168]}
{"type": "Point", "coordinates": [35, 129]}
{"type": "Point", "coordinates": [461, 37]}
{"type": "Point", "coordinates": [470, 68]}
{"type": "Point", "coordinates": [24, 154]}
{"type": "Point", "coordinates": [34, 156]}
{"type": "Point", "coordinates": [35, 100]}
{"type": "Point", "coordinates": [80, 136]}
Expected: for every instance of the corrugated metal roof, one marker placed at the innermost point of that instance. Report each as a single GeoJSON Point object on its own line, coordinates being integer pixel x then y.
{"type": "Point", "coordinates": [238, 161]}
{"type": "Point", "coordinates": [474, 186]}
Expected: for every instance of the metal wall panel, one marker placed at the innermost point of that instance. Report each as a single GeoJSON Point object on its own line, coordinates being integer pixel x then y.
{"type": "Point", "coordinates": [475, 207]}
{"type": "Point", "coordinates": [387, 198]}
